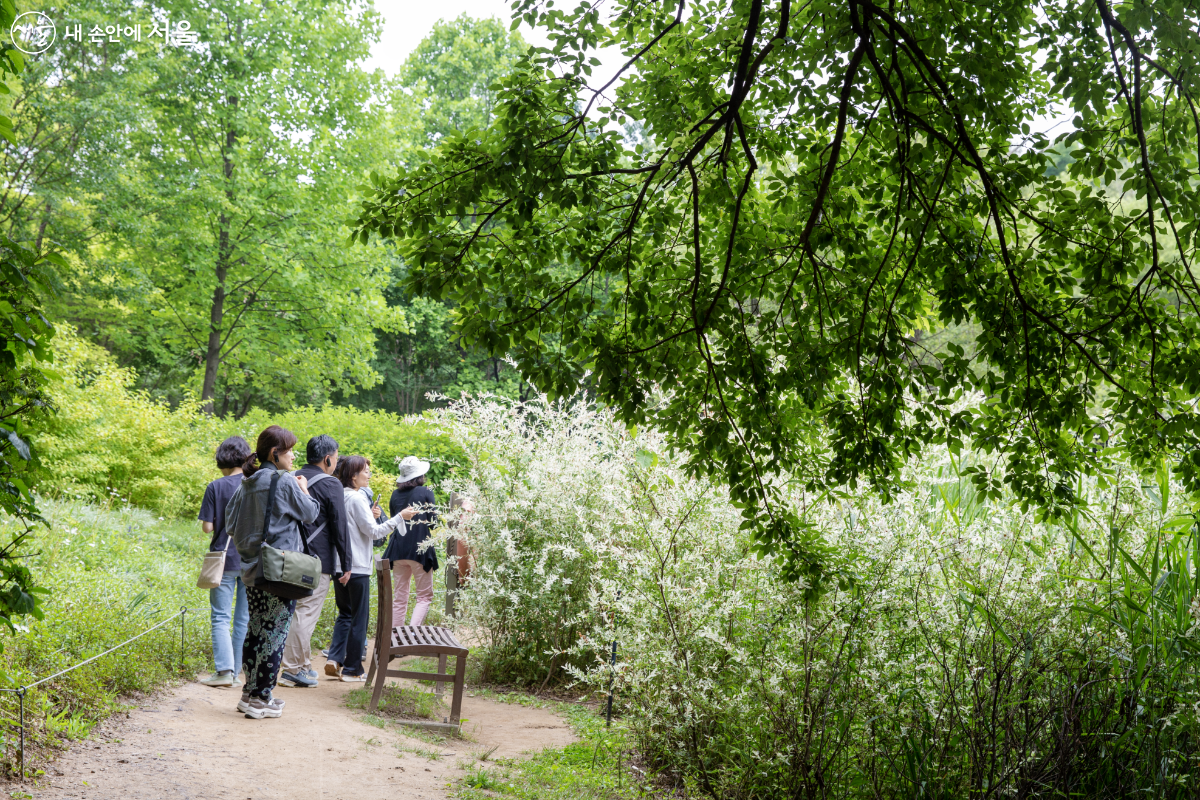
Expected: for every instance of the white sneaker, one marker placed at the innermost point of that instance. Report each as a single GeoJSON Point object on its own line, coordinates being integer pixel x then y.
{"type": "Point", "coordinates": [258, 709]}
{"type": "Point", "coordinates": [344, 678]}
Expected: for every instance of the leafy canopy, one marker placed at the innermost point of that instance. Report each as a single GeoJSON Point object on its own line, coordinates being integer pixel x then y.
{"type": "Point", "coordinates": [815, 187]}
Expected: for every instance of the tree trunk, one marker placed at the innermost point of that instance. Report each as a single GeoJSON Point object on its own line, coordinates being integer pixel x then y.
{"type": "Point", "coordinates": [212, 354]}
{"type": "Point", "coordinates": [37, 247]}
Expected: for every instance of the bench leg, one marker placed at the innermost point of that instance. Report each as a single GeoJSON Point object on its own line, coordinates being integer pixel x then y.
{"type": "Point", "coordinates": [374, 661]}
{"type": "Point", "coordinates": [439, 687]}
{"type": "Point", "coordinates": [460, 679]}
{"type": "Point", "coordinates": [379, 680]}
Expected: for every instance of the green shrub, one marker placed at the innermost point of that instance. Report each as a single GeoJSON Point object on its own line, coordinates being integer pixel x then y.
{"type": "Point", "coordinates": [379, 435]}
{"type": "Point", "coordinates": [109, 442]}
{"type": "Point", "coordinates": [967, 649]}
{"type": "Point", "coordinates": [551, 497]}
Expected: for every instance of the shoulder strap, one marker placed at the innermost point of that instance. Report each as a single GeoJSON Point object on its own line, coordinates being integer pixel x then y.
{"type": "Point", "coordinates": [212, 544]}
{"type": "Point", "coordinates": [315, 479]}
{"type": "Point", "coordinates": [270, 505]}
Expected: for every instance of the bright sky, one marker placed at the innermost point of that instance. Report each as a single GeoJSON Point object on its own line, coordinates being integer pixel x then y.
{"type": "Point", "coordinates": [406, 23]}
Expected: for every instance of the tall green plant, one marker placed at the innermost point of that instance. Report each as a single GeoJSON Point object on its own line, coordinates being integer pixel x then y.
{"type": "Point", "coordinates": [24, 370]}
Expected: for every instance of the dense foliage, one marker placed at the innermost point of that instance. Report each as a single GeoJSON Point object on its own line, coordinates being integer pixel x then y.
{"type": "Point", "coordinates": [191, 188]}
{"type": "Point", "coordinates": [209, 260]}
{"type": "Point", "coordinates": [976, 652]}
{"type": "Point", "coordinates": [448, 89]}
{"type": "Point", "coordinates": [111, 441]}
{"type": "Point", "coordinates": [807, 187]}
{"type": "Point", "coordinates": [24, 371]}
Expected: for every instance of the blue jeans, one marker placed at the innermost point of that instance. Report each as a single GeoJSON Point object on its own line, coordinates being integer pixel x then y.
{"type": "Point", "coordinates": [227, 651]}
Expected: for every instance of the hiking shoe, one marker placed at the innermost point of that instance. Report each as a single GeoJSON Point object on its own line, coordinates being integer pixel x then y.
{"type": "Point", "coordinates": [258, 708]}
{"type": "Point", "coordinates": [344, 678]}
{"type": "Point", "coordinates": [333, 668]}
{"type": "Point", "coordinates": [298, 679]}
{"type": "Point", "coordinates": [312, 675]}
{"type": "Point", "coordinates": [220, 679]}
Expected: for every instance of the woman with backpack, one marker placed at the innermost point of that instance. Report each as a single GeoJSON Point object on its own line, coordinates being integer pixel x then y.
{"type": "Point", "coordinates": [268, 508]}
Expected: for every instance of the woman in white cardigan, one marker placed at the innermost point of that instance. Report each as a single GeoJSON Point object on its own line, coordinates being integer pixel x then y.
{"type": "Point", "coordinates": [352, 591]}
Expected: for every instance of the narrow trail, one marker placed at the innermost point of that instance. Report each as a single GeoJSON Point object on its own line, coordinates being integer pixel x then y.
{"type": "Point", "coordinates": [192, 744]}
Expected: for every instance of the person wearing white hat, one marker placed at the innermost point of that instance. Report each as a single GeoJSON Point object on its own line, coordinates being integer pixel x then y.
{"type": "Point", "coordinates": [411, 565]}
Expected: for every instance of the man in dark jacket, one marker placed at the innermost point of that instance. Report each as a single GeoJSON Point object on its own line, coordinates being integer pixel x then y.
{"type": "Point", "coordinates": [326, 537]}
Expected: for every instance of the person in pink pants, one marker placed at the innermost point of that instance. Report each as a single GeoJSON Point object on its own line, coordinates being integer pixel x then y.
{"type": "Point", "coordinates": [402, 572]}
{"type": "Point", "coordinates": [410, 564]}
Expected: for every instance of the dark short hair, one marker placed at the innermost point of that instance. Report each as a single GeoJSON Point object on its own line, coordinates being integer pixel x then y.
{"type": "Point", "coordinates": [232, 452]}
{"type": "Point", "coordinates": [320, 446]}
{"type": "Point", "coordinates": [349, 467]}
{"type": "Point", "coordinates": [417, 481]}
{"type": "Point", "coordinates": [272, 441]}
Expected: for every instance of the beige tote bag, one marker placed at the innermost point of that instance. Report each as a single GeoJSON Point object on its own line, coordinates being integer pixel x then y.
{"type": "Point", "coordinates": [211, 570]}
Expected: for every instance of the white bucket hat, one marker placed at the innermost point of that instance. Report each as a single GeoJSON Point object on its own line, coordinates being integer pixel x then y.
{"type": "Point", "coordinates": [411, 467]}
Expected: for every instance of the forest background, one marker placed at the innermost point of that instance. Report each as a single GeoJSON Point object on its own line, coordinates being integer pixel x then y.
{"type": "Point", "coordinates": [189, 276]}
{"type": "Point", "coordinates": [189, 185]}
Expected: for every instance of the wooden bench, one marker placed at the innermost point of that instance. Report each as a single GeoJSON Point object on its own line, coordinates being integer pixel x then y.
{"type": "Point", "coordinates": [409, 640]}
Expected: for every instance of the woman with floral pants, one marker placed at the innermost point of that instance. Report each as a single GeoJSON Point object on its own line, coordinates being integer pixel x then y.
{"type": "Point", "coordinates": [269, 505]}
{"type": "Point", "coordinates": [263, 648]}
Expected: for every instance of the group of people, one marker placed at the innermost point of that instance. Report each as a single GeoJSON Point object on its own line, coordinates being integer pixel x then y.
{"type": "Point", "coordinates": [324, 509]}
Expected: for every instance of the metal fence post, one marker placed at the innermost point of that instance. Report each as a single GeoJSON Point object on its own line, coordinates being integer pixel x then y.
{"type": "Point", "coordinates": [21, 701]}
{"type": "Point", "coordinates": [613, 664]}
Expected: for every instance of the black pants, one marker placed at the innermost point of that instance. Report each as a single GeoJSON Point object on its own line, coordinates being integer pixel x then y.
{"type": "Point", "coordinates": [350, 630]}
{"type": "Point", "coordinates": [265, 637]}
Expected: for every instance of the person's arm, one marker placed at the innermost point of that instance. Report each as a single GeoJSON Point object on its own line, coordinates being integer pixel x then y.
{"type": "Point", "coordinates": [208, 511]}
{"type": "Point", "coordinates": [336, 525]}
{"type": "Point", "coordinates": [360, 516]}
{"type": "Point", "coordinates": [307, 509]}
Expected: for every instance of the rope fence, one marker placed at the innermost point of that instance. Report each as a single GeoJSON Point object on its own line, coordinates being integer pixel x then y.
{"type": "Point", "coordinates": [21, 691]}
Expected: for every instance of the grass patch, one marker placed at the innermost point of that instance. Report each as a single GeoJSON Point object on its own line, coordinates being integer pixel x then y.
{"type": "Point", "coordinates": [399, 702]}
{"type": "Point", "coordinates": [595, 768]}
{"type": "Point", "coordinates": [113, 573]}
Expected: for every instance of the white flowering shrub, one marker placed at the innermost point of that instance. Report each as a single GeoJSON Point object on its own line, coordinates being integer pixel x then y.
{"type": "Point", "coordinates": [966, 649]}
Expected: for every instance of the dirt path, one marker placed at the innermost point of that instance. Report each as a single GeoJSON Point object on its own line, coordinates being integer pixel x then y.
{"type": "Point", "coordinates": [192, 743]}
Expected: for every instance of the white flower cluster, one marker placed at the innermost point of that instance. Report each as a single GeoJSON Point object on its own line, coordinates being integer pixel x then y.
{"type": "Point", "coordinates": [962, 637]}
